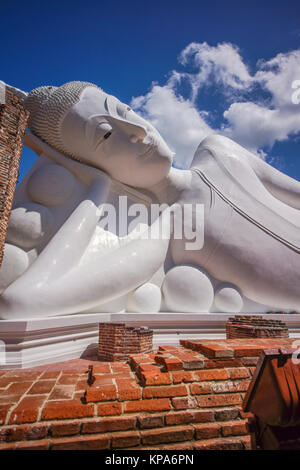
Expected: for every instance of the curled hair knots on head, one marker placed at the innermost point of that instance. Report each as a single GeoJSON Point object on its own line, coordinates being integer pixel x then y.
{"type": "Point", "coordinates": [48, 106]}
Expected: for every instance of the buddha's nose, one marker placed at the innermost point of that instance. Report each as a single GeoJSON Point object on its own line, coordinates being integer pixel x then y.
{"type": "Point", "coordinates": [135, 132]}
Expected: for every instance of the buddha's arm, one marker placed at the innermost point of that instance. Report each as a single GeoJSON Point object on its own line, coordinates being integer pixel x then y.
{"type": "Point", "coordinates": [85, 286]}
{"type": "Point", "coordinates": [66, 248]}
{"type": "Point", "coordinates": [281, 186]}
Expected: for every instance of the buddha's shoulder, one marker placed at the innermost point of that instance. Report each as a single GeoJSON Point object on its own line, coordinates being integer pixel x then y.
{"type": "Point", "coordinates": [217, 146]}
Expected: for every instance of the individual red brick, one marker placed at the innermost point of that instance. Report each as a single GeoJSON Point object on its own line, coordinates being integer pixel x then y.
{"type": "Point", "coordinates": [103, 368]}
{"type": "Point", "coordinates": [169, 391]}
{"type": "Point", "coordinates": [138, 359]}
{"type": "Point", "coordinates": [107, 409]}
{"type": "Point", "coordinates": [68, 379]}
{"type": "Point", "coordinates": [221, 363]}
{"type": "Point", "coordinates": [151, 421]}
{"type": "Point", "coordinates": [203, 416]}
{"type": "Point", "coordinates": [207, 401]}
{"type": "Point", "coordinates": [103, 379]}
{"type": "Point", "coordinates": [100, 393]}
{"type": "Point", "coordinates": [216, 350]}
{"type": "Point", "coordinates": [33, 445]}
{"type": "Point", "coordinates": [4, 409]}
{"type": "Point", "coordinates": [23, 375]}
{"type": "Point", "coordinates": [98, 442]}
{"type": "Point", "coordinates": [23, 432]}
{"type": "Point", "coordinates": [156, 378]}
{"type": "Point", "coordinates": [125, 439]}
{"type": "Point", "coordinates": [9, 399]}
{"type": "Point", "coordinates": [219, 444]}
{"type": "Point", "coordinates": [190, 416]}
{"type": "Point", "coordinates": [181, 417]}
{"type": "Point", "coordinates": [122, 375]}
{"type": "Point", "coordinates": [120, 367]}
{"type": "Point", "coordinates": [213, 374]}
{"type": "Point", "coordinates": [207, 431]}
{"type": "Point", "coordinates": [201, 388]}
{"type": "Point", "coordinates": [6, 381]}
{"type": "Point", "coordinates": [65, 429]}
{"type": "Point", "coordinates": [118, 423]}
{"type": "Point", "coordinates": [183, 403]}
{"type": "Point", "coordinates": [18, 387]}
{"type": "Point", "coordinates": [41, 387]}
{"type": "Point", "coordinates": [191, 363]}
{"type": "Point", "coordinates": [249, 351]}
{"type": "Point", "coordinates": [242, 385]}
{"type": "Point", "coordinates": [169, 434]}
{"type": "Point", "coordinates": [52, 374]}
{"type": "Point", "coordinates": [234, 428]}
{"type": "Point", "coordinates": [226, 414]}
{"type": "Point", "coordinates": [182, 376]}
{"type": "Point", "coordinates": [238, 373]}
{"type": "Point", "coordinates": [250, 361]}
{"type": "Point", "coordinates": [11, 433]}
{"type": "Point", "coordinates": [229, 386]}
{"type": "Point", "coordinates": [167, 348]}
{"type": "Point", "coordinates": [27, 411]}
{"type": "Point", "coordinates": [128, 390]}
{"type": "Point", "coordinates": [67, 409]}
{"type": "Point", "coordinates": [148, 367]}
{"type": "Point", "coordinates": [172, 364]}
{"type": "Point", "coordinates": [62, 392]}
{"type": "Point", "coordinates": [154, 404]}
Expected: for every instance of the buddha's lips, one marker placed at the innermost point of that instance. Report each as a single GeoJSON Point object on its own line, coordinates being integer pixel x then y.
{"type": "Point", "coordinates": [151, 146]}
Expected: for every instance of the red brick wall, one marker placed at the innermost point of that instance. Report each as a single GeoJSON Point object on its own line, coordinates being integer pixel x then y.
{"type": "Point", "coordinates": [13, 119]}
{"type": "Point", "coordinates": [118, 341]}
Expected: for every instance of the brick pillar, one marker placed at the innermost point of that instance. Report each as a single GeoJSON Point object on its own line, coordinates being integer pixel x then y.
{"type": "Point", "coordinates": [13, 120]}
{"type": "Point", "coordinates": [255, 326]}
{"type": "Point", "coordinates": [118, 341]}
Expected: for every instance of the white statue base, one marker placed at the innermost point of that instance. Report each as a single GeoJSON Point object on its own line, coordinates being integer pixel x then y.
{"type": "Point", "coordinates": [38, 341]}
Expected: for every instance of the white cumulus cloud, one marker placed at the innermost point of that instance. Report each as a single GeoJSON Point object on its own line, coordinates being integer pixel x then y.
{"type": "Point", "coordinates": [260, 109]}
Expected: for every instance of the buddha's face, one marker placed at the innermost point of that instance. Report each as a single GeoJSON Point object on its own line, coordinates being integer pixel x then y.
{"type": "Point", "coordinates": [113, 138]}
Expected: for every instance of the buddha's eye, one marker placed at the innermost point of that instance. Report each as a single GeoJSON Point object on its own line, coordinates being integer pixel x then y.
{"type": "Point", "coordinates": [123, 109]}
{"type": "Point", "coordinates": [107, 135]}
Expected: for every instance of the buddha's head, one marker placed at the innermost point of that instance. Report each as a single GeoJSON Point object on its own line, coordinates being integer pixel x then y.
{"type": "Point", "coordinates": [83, 122]}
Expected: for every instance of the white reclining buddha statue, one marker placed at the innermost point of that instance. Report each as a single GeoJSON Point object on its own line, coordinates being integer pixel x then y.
{"type": "Point", "coordinates": [66, 253]}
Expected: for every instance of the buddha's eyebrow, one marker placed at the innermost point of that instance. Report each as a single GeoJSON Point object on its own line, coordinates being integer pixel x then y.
{"type": "Point", "coordinates": [106, 105]}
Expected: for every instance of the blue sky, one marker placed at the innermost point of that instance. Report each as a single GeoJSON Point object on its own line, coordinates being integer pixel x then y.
{"type": "Point", "coordinates": [190, 67]}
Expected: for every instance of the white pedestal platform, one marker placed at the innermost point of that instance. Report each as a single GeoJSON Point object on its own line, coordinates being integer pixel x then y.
{"type": "Point", "coordinates": [38, 341]}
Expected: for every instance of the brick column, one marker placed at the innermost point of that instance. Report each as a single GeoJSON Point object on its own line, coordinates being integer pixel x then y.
{"type": "Point", "coordinates": [118, 341]}
{"type": "Point", "coordinates": [13, 120]}
{"type": "Point", "coordinates": [242, 326]}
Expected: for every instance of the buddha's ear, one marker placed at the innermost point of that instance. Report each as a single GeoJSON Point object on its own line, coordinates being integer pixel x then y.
{"type": "Point", "coordinates": [32, 143]}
